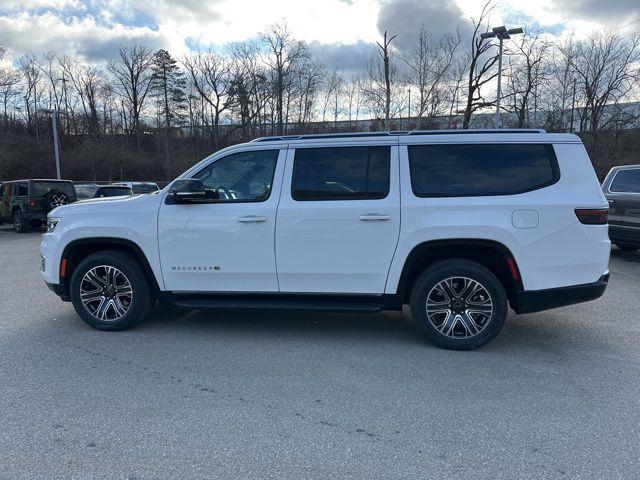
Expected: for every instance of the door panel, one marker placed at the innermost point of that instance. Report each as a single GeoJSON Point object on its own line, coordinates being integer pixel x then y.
{"type": "Point", "coordinates": [226, 245]}
{"type": "Point", "coordinates": [337, 245]}
{"type": "Point", "coordinates": [624, 198]}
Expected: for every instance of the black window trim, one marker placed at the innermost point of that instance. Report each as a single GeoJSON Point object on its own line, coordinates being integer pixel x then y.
{"type": "Point", "coordinates": [279, 150]}
{"type": "Point", "coordinates": [340, 199]}
{"type": "Point", "coordinates": [553, 159]}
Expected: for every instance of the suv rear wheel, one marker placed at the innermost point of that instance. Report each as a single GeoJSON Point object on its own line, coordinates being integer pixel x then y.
{"type": "Point", "coordinates": [20, 225]}
{"type": "Point", "coordinates": [110, 291]}
{"type": "Point", "coordinates": [458, 304]}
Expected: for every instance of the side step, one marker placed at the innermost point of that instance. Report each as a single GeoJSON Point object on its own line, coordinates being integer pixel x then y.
{"type": "Point", "coordinates": [319, 303]}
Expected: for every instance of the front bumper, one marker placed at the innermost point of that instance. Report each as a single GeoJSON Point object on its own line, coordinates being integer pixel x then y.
{"type": "Point", "coordinates": [529, 301]}
{"type": "Point", "coordinates": [59, 290]}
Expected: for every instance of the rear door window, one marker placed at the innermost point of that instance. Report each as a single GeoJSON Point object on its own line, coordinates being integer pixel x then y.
{"type": "Point", "coordinates": [626, 181]}
{"type": "Point", "coordinates": [341, 173]}
{"type": "Point", "coordinates": [480, 169]}
{"type": "Point", "coordinates": [113, 191]}
{"type": "Point", "coordinates": [40, 189]}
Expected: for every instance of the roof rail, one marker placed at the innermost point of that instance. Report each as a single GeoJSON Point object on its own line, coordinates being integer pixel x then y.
{"type": "Point", "coordinates": [320, 136]}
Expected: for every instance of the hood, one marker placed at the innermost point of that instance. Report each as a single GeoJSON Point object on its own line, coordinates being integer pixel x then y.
{"type": "Point", "coordinates": [109, 205]}
{"type": "Point", "coordinates": [106, 199]}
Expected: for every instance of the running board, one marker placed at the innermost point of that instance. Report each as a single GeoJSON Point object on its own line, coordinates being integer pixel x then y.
{"type": "Point", "coordinates": [296, 302]}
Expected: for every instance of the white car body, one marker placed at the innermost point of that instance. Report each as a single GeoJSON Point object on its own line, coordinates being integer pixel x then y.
{"type": "Point", "coordinates": [359, 247]}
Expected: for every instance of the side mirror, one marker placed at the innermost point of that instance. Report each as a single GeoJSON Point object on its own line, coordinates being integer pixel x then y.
{"type": "Point", "coordinates": [186, 190]}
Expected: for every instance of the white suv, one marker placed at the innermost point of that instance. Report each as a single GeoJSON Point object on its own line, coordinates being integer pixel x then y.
{"type": "Point", "coordinates": [457, 224]}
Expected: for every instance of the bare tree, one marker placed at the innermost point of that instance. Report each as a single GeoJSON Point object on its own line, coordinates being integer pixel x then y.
{"type": "Point", "coordinates": [527, 70]}
{"type": "Point", "coordinates": [132, 74]}
{"type": "Point", "coordinates": [9, 81]}
{"type": "Point", "coordinates": [285, 53]}
{"type": "Point", "coordinates": [87, 81]}
{"type": "Point", "coordinates": [428, 64]}
{"type": "Point", "coordinates": [210, 74]}
{"type": "Point", "coordinates": [384, 52]}
{"type": "Point", "coordinates": [382, 77]}
{"type": "Point", "coordinates": [480, 63]}
{"type": "Point", "coordinates": [607, 68]}
{"type": "Point", "coordinates": [31, 75]}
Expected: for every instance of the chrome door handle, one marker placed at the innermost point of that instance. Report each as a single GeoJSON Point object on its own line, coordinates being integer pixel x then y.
{"type": "Point", "coordinates": [252, 219]}
{"type": "Point", "coordinates": [367, 217]}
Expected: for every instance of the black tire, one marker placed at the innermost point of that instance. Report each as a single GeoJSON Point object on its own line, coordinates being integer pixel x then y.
{"type": "Point", "coordinates": [626, 248]}
{"type": "Point", "coordinates": [488, 325]}
{"type": "Point", "coordinates": [142, 299]}
{"type": "Point", "coordinates": [20, 225]}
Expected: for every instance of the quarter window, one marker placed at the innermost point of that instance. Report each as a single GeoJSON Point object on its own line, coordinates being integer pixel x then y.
{"type": "Point", "coordinates": [626, 181]}
{"type": "Point", "coordinates": [240, 177]}
{"type": "Point", "coordinates": [480, 169]}
{"type": "Point", "coordinates": [22, 190]}
{"type": "Point", "coordinates": [341, 173]}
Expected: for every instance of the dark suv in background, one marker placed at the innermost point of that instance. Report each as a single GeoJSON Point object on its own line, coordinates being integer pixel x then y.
{"type": "Point", "coordinates": [26, 203]}
{"type": "Point", "coordinates": [92, 190]}
{"type": "Point", "coordinates": [622, 189]}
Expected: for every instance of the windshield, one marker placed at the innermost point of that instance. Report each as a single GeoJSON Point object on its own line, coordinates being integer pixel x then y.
{"type": "Point", "coordinates": [85, 191]}
{"type": "Point", "coordinates": [42, 188]}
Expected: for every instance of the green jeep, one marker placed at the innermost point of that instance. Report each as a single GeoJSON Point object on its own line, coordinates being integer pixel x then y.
{"type": "Point", "coordinates": [26, 203]}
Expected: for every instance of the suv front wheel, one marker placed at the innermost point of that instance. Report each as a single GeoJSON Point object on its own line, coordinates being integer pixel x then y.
{"type": "Point", "coordinates": [458, 304]}
{"type": "Point", "coordinates": [110, 291]}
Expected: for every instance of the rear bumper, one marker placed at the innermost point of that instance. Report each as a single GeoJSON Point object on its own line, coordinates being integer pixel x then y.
{"type": "Point", "coordinates": [528, 301]}
{"type": "Point", "coordinates": [33, 216]}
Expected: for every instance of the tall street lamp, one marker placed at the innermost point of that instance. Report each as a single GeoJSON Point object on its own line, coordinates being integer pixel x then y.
{"type": "Point", "coordinates": [501, 33]}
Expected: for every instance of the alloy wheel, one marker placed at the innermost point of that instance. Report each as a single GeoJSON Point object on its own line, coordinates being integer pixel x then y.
{"type": "Point", "coordinates": [459, 307]}
{"type": "Point", "coordinates": [106, 293]}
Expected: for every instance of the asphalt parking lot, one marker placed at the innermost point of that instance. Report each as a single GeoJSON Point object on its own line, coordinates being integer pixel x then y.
{"type": "Point", "coordinates": [197, 394]}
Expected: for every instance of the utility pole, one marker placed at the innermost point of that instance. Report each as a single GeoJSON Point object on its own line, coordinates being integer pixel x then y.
{"type": "Point", "coordinates": [56, 143]}
{"type": "Point", "coordinates": [501, 33]}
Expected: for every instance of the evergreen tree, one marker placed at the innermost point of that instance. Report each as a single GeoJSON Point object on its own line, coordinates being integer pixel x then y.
{"type": "Point", "coordinates": [168, 87]}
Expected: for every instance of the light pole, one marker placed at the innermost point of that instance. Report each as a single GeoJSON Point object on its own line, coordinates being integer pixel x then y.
{"type": "Point", "coordinates": [501, 33]}
{"type": "Point", "coordinates": [56, 146]}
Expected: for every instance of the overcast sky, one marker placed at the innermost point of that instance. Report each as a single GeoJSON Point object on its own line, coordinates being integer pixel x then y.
{"type": "Point", "coordinates": [340, 32]}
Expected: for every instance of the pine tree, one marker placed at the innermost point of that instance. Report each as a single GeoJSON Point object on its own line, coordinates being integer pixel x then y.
{"type": "Point", "coordinates": [168, 87]}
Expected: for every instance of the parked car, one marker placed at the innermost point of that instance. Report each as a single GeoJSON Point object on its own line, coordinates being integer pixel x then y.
{"type": "Point", "coordinates": [622, 189]}
{"type": "Point", "coordinates": [92, 190]}
{"type": "Point", "coordinates": [27, 202]}
{"type": "Point", "coordinates": [139, 187]}
{"type": "Point", "coordinates": [457, 224]}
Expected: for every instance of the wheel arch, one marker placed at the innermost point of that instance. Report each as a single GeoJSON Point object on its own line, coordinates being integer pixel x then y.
{"type": "Point", "coordinates": [492, 254]}
{"type": "Point", "coordinates": [77, 250]}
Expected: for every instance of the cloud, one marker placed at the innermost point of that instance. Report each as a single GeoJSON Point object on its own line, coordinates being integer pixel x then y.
{"type": "Point", "coordinates": [600, 10]}
{"type": "Point", "coordinates": [86, 37]}
{"type": "Point", "coordinates": [405, 17]}
{"type": "Point", "coordinates": [349, 58]}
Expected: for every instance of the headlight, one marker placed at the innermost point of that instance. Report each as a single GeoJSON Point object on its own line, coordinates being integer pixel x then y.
{"type": "Point", "coordinates": [52, 223]}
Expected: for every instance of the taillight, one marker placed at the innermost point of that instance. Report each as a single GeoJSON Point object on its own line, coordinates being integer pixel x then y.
{"type": "Point", "coordinates": [592, 216]}
{"type": "Point", "coordinates": [33, 203]}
